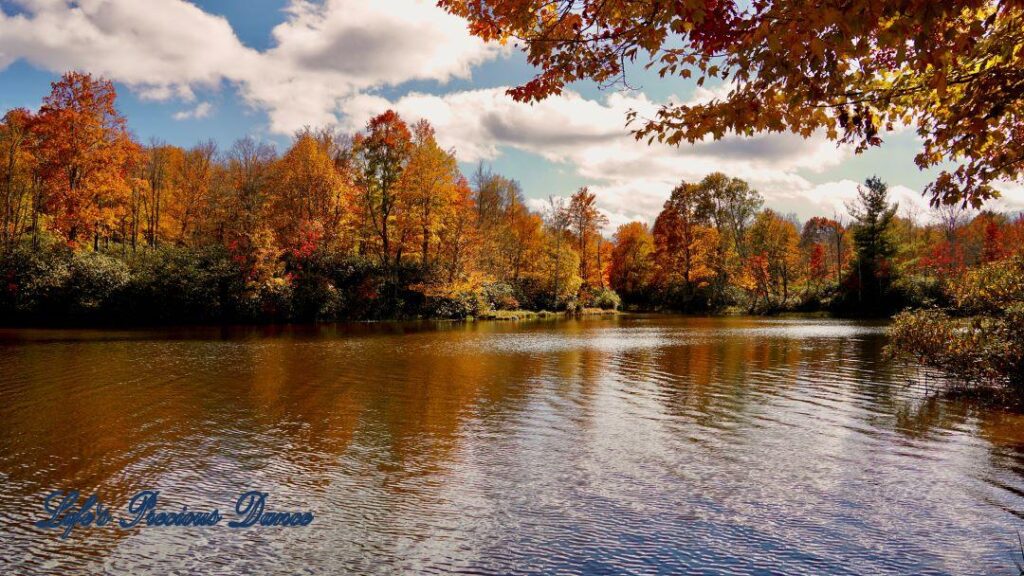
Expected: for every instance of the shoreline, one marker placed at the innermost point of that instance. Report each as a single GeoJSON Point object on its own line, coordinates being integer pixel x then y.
{"type": "Point", "coordinates": [496, 317]}
{"type": "Point", "coordinates": [500, 316]}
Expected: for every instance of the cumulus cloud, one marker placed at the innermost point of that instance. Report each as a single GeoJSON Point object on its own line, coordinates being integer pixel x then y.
{"type": "Point", "coordinates": [329, 58]}
{"type": "Point", "coordinates": [201, 110]}
{"type": "Point", "coordinates": [1012, 197]}
{"type": "Point", "coordinates": [631, 179]}
{"type": "Point", "coordinates": [324, 51]}
{"type": "Point", "coordinates": [162, 49]}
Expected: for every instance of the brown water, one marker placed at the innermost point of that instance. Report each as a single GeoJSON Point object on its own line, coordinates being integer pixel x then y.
{"type": "Point", "coordinates": [624, 445]}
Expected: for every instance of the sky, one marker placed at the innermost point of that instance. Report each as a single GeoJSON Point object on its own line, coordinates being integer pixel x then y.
{"type": "Point", "coordinates": [223, 69]}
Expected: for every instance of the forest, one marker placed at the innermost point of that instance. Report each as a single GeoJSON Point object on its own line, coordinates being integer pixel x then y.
{"type": "Point", "coordinates": [100, 228]}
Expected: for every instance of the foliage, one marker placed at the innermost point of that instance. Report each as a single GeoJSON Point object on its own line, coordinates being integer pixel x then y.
{"type": "Point", "coordinates": [631, 267]}
{"type": "Point", "coordinates": [94, 280]}
{"type": "Point", "coordinates": [456, 305]}
{"type": "Point", "coordinates": [585, 223]}
{"type": "Point", "coordinates": [500, 296]}
{"type": "Point", "coordinates": [852, 70]}
{"type": "Point", "coordinates": [605, 299]}
{"type": "Point", "coordinates": [684, 244]}
{"type": "Point", "coordinates": [33, 277]}
{"type": "Point", "coordinates": [871, 272]}
{"type": "Point", "coordinates": [382, 224]}
{"type": "Point", "coordinates": [773, 266]}
{"type": "Point", "coordinates": [83, 153]}
{"type": "Point", "coordinates": [381, 155]}
{"type": "Point", "coordinates": [980, 340]}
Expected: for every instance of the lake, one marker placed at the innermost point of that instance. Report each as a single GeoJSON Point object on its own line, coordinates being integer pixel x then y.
{"type": "Point", "coordinates": [624, 445]}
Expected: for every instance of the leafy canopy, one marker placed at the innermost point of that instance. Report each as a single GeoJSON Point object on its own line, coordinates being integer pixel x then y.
{"type": "Point", "coordinates": [852, 69]}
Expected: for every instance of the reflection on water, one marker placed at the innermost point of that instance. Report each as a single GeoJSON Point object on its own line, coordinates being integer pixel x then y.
{"type": "Point", "coordinates": [623, 445]}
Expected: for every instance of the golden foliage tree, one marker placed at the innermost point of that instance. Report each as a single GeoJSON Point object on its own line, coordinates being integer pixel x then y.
{"type": "Point", "coordinates": [19, 198]}
{"type": "Point", "coordinates": [381, 155]}
{"type": "Point", "coordinates": [773, 268]}
{"type": "Point", "coordinates": [309, 193]}
{"type": "Point", "coordinates": [585, 223]}
{"type": "Point", "coordinates": [632, 260]}
{"type": "Point", "coordinates": [84, 153]}
{"type": "Point", "coordinates": [684, 244]}
{"type": "Point", "coordinates": [430, 182]}
{"type": "Point", "coordinates": [851, 69]}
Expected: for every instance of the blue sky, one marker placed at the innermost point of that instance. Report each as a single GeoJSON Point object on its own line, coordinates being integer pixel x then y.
{"type": "Point", "coordinates": [223, 69]}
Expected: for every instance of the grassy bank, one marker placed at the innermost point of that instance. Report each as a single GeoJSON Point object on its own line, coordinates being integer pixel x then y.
{"type": "Point", "coordinates": [519, 315]}
{"type": "Point", "coordinates": [53, 285]}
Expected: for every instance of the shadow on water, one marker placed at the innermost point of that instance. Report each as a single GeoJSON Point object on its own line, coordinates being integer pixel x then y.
{"type": "Point", "coordinates": [638, 444]}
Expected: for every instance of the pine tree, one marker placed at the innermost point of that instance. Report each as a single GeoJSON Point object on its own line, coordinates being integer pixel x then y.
{"type": "Point", "coordinates": [871, 237]}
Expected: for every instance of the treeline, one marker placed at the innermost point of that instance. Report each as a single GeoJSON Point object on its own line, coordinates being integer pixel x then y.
{"type": "Point", "coordinates": [97, 227]}
{"type": "Point", "coordinates": [379, 224]}
{"type": "Point", "coordinates": [714, 246]}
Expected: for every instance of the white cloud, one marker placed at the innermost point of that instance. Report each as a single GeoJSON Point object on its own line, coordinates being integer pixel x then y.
{"type": "Point", "coordinates": [324, 51]}
{"type": "Point", "coordinates": [202, 110]}
{"type": "Point", "coordinates": [631, 179]}
{"type": "Point", "coordinates": [330, 57]}
{"type": "Point", "coordinates": [1012, 196]}
{"type": "Point", "coordinates": [162, 49]}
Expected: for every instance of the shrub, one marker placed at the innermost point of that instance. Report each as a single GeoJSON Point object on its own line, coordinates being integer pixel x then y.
{"type": "Point", "coordinates": [32, 279]}
{"type": "Point", "coordinates": [456, 305]}
{"type": "Point", "coordinates": [606, 299]}
{"type": "Point", "coordinates": [919, 291]}
{"type": "Point", "coordinates": [980, 339]}
{"type": "Point", "coordinates": [500, 296]}
{"type": "Point", "coordinates": [93, 283]}
{"type": "Point", "coordinates": [174, 284]}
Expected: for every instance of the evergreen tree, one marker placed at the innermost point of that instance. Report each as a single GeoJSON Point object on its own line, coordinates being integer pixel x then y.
{"type": "Point", "coordinates": [872, 268]}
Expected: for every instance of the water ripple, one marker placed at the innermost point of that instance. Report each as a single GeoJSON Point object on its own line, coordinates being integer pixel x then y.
{"type": "Point", "coordinates": [631, 445]}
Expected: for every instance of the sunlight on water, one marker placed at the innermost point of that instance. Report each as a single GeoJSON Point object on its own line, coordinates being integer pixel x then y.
{"type": "Point", "coordinates": [624, 445]}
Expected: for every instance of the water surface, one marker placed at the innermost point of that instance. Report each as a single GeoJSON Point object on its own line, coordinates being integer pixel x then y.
{"type": "Point", "coordinates": [643, 445]}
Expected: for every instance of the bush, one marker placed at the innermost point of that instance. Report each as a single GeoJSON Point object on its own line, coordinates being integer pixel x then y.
{"type": "Point", "coordinates": [919, 291]}
{"type": "Point", "coordinates": [606, 299]}
{"type": "Point", "coordinates": [182, 285]}
{"type": "Point", "coordinates": [500, 296]}
{"type": "Point", "coordinates": [171, 284]}
{"type": "Point", "coordinates": [94, 283]}
{"type": "Point", "coordinates": [458, 305]}
{"type": "Point", "coordinates": [32, 279]}
{"type": "Point", "coordinates": [980, 339]}
{"type": "Point", "coordinates": [315, 298]}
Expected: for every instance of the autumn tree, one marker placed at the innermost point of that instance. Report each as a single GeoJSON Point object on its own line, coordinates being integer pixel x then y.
{"type": "Point", "coordinates": [1013, 236]}
{"type": "Point", "coordinates": [827, 238]}
{"type": "Point", "coordinates": [993, 244]}
{"type": "Point", "coordinates": [188, 209]}
{"type": "Point", "coordinates": [246, 231]}
{"type": "Point", "coordinates": [458, 236]}
{"type": "Point", "coordinates": [521, 244]}
{"type": "Point", "coordinates": [730, 204]}
{"type": "Point", "coordinates": [308, 193]}
{"type": "Point", "coordinates": [160, 163]}
{"type": "Point", "coordinates": [498, 201]}
{"type": "Point", "coordinates": [381, 155]}
{"type": "Point", "coordinates": [85, 153]}
{"type": "Point", "coordinates": [585, 223]}
{"type": "Point", "coordinates": [493, 194]}
{"type": "Point", "coordinates": [851, 70]}
{"type": "Point", "coordinates": [430, 182]}
{"type": "Point", "coordinates": [19, 199]}
{"type": "Point", "coordinates": [684, 244]}
{"type": "Point", "coordinates": [774, 263]}
{"type": "Point", "coordinates": [560, 265]}
{"type": "Point", "coordinates": [632, 262]}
